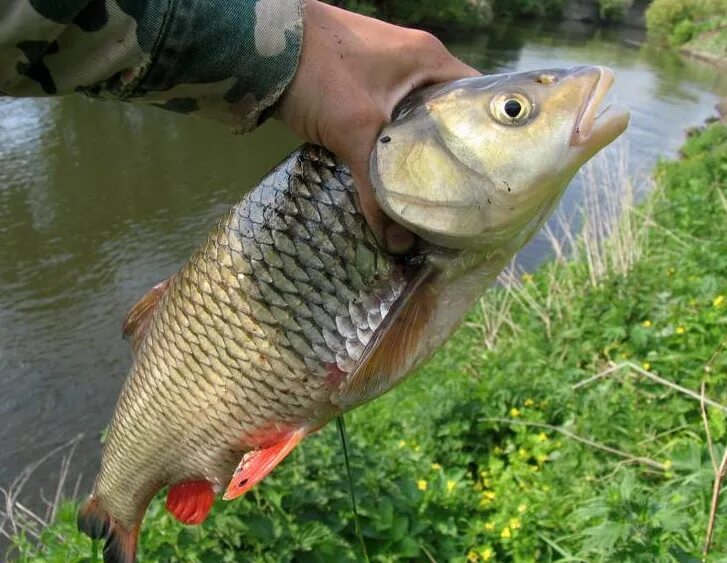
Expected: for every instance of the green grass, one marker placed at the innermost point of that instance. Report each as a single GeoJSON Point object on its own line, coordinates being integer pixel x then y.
{"type": "Point", "coordinates": [439, 479]}
{"type": "Point", "coordinates": [709, 45]}
{"type": "Point", "coordinates": [696, 27]}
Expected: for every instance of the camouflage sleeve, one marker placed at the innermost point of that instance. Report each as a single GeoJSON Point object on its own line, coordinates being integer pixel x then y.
{"type": "Point", "coordinates": [225, 59]}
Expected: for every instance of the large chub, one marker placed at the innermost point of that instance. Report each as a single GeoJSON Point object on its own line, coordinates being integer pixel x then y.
{"type": "Point", "coordinates": [120, 544]}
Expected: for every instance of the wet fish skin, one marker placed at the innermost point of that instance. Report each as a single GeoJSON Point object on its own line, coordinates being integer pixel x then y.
{"type": "Point", "coordinates": [290, 313]}
{"type": "Point", "coordinates": [252, 336]}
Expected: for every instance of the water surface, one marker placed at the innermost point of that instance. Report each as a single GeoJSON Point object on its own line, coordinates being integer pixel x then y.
{"type": "Point", "coordinates": [101, 200]}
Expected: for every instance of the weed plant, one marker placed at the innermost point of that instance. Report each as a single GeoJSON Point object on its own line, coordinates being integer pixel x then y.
{"type": "Point", "coordinates": [562, 422]}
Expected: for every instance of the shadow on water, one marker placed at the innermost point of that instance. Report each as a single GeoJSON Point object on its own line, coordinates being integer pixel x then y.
{"type": "Point", "coordinates": [99, 201]}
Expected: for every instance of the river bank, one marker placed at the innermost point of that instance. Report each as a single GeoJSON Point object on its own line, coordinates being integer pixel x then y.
{"type": "Point", "coordinates": [709, 46]}
{"type": "Point", "coordinates": [482, 14]}
{"type": "Point", "coordinates": [556, 423]}
{"type": "Point", "coordinates": [695, 28]}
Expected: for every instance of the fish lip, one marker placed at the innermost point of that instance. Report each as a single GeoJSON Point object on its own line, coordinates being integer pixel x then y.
{"type": "Point", "coordinates": [587, 117]}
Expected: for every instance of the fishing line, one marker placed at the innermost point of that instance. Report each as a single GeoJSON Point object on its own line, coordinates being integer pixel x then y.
{"type": "Point", "coordinates": [344, 442]}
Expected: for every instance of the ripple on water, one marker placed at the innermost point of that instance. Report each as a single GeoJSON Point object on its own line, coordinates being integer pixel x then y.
{"type": "Point", "coordinates": [99, 201]}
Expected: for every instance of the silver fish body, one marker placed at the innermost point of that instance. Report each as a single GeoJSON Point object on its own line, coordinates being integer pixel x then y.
{"type": "Point", "coordinates": [291, 312]}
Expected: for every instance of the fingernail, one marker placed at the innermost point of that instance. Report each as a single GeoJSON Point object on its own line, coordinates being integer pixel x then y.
{"type": "Point", "coordinates": [398, 239]}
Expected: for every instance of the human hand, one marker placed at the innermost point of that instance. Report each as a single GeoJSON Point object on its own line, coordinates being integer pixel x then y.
{"type": "Point", "coordinates": [353, 70]}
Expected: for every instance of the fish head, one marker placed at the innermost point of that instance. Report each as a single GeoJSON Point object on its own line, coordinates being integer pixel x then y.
{"type": "Point", "coordinates": [481, 162]}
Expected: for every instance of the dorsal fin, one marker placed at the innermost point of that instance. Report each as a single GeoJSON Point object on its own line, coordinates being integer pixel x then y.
{"type": "Point", "coordinates": [384, 359]}
{"type": "Point", "coordinates": [136, 320]}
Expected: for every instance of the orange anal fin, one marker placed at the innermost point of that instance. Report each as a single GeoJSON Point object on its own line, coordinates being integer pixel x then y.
{"type": "Point", "coordinates": [190, 502]}
{"type": "Point", "coordinates": [256, 464]}
{"type": "Point", "coordinates": [136, 320]}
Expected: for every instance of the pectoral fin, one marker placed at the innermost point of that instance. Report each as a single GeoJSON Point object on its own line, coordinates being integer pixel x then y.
{"type": "Point", "coordinates": [137, 319]}
{"type": "Point", "coordinates": [256, 464]}
{"type": "Point", "coordinates": [390, 351]}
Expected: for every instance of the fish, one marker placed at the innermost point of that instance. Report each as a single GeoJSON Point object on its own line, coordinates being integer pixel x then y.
{"type": "Point", "coordinates": [291, 312]}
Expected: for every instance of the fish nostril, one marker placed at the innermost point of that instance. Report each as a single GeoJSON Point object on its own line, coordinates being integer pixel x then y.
{"type": "Point", "coordinates": [546, 79]}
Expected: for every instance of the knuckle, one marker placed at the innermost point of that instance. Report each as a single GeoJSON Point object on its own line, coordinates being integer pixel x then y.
{"type": "Point", "coordinates": [426, 41]}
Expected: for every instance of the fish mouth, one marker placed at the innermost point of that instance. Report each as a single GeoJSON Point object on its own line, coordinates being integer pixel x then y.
{"type": "Point", "coordinates": [596, 128]}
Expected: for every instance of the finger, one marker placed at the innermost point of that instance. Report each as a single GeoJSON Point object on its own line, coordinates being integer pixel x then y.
{"type": "Point", "coordinates": [398, 239]}
{"type": "Point", "coordinates": [393, 237]}
{"type": "Point", "coordinates": [354, 147]}
{"type": "Point", "coordinates": [428, 62]}
{"type": "Point", "coordinates": [436, 64]}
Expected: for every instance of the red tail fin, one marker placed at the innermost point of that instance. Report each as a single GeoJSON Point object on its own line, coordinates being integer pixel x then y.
{"type": "Point", "coordinates": [95, 522]}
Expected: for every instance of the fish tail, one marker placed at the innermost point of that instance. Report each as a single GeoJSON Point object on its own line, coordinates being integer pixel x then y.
{"type": "Point", "coordinates": [120, 543]}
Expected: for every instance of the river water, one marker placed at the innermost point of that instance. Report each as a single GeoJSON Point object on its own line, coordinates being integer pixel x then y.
{"type": "Point", "coordinates": [101, 200]}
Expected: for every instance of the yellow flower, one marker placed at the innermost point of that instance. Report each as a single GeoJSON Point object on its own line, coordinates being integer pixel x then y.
{"type": "Point", "coordinates": [646, 366]}
{"type": "Point", "coordinates": [402, 443]}
{"type": "Point", "coordinates": [527, 278]}
{"type": "Point", "coordinates": [522, 507]}
{"type": "Point", "coordinates": [506, 533]}
{"type": "Point", "coordinates": [646, 323]}
{"type": "Point", "coordinates": [541, 458]}
{"type": "Point", "coordinates": [490, 495]}
{"type": "Point", "coordinates": [451, 485]}
{"type": "Point", "coordinates": [667, 464]}
{"type": "Point", "coordinates": [422, 485]}
{"type": "Point", "coordinates": [490, 526]}
{"type": "Point", "coordinates": [417, 448]}
{"type": "Point", "coordinates": [515, 523]}
{"type": "Point", "coordinates": [542, 437]}
{"type": "Point", "coordinates": [680, 330]}
{"type": "Point", "coordinates": [486, 554]}
{"type": "Point", "coordinates": [529, 402]}
{"type": "Point", "coordinates": [514, 412]}
{"type": "Point", "coordinates": [472, 556]}
{"type": "Point", "coordinates": [523, 453]}
{"type": "Point", "coordinates": [718, 301]}
{"type": "Point", "coordinates": [436, 466]}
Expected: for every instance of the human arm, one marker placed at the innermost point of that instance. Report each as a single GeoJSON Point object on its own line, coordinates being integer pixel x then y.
{"type": "Point", "coordinates": [231, 61]}
{"type": "Point", "coordinates": [228, 60]}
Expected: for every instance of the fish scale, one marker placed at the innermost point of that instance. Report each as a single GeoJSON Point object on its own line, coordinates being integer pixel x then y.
{"type": "Point", "coordinates": [248, 330]}
{"type": "Point", "coordinates": [290, 312]}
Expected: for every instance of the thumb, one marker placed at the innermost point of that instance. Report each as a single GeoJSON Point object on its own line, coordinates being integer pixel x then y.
{"type": "Point", "coordinates": [356, 152]}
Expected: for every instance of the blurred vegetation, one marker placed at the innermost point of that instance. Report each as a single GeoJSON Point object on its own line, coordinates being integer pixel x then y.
{"type": "Point", "coordinates": [697, 26]}
{"type": "Point", "coordinates": [475, 13]}
{"type": "Point", "coordinates": [480, 457]}
{"type": "Point", "coordinates": [613, 10]}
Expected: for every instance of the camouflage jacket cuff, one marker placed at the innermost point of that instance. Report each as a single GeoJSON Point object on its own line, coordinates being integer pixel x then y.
{"type": "Point", "coordinates": [225, 59]}
{"type": "Point", "coordinates": [228, 60]}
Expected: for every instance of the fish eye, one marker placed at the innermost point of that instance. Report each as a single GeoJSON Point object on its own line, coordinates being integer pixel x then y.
{"type": "Point", "coordinates": [511, 109]}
